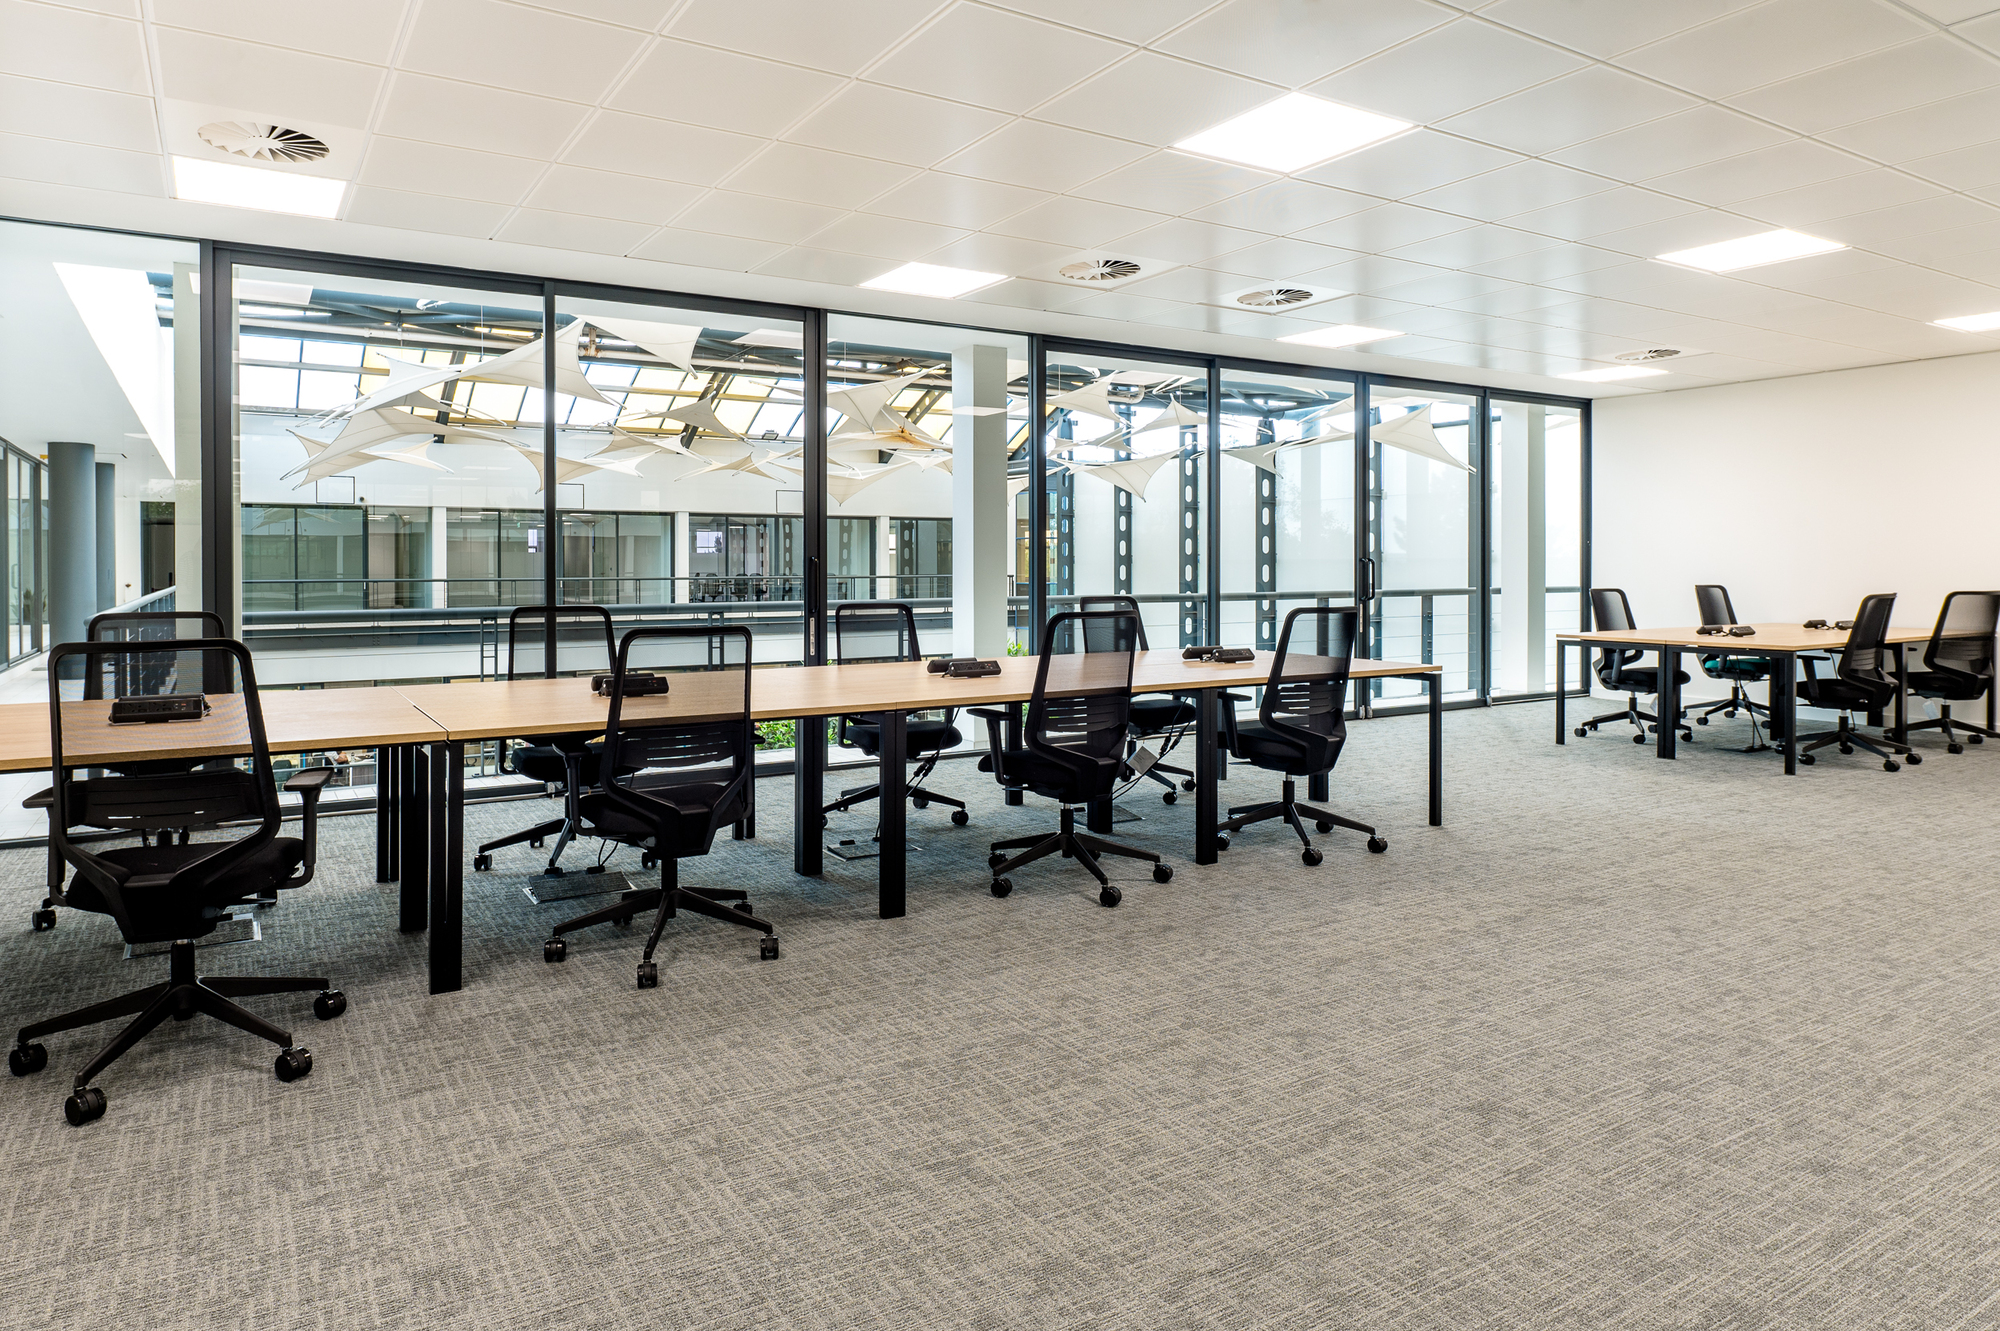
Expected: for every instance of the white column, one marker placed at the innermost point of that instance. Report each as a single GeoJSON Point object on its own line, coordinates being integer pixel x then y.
{"type": "Point", "coordinates": [187, 438]}
{"type": "Point", "coordinates": [885, 561]}
{"type": "Point", "coordinates": [981, 516]}
{"type": "Point", "coordinates": [440, 559]}
{"type": "Point", "coordinates": [683, 558]}
{"type": "Point", "coordinates": [1521, 658]}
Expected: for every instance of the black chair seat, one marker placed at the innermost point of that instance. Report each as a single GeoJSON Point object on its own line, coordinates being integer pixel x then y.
{"type": "Point", "coordinates": [1157, 712]}
{"type": "Point", "coordinates": [694, 802]}
{"type": "Point", "coordinates": [1839, 695]}
{"type": "Point", "coordinates": [159, 917]}
{"type": "Point", "coordinates": [544, 762]}
{"type": "Point", "coordinates": [1259, 745]}
{"type": "Point", "coordinates": [1642, 679]}
{"type": "Point", "coordinates": [1743, 669]}
{"type": "Point", "coordinates": [1056, 780]}
{"type": "Point", "coordinates": [922, 737]}
{"type": "Point", "coordinates": [1948, 685]}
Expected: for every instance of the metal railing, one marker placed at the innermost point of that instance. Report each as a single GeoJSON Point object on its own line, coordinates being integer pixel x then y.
{"type": "Point", "coordinates": [267, 596]}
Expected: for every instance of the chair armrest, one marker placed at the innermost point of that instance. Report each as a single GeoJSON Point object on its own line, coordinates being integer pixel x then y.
{"type": "Point", "coordinates": [307, 785]}
{"type": "Point", "coordinates": [994, 719]}
{"type": "Point", "coordinates": [41, 799]}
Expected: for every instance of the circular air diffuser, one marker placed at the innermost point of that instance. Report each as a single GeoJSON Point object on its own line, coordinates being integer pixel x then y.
{"type": "Point", "coordinates": [1100, 270]}
{"type": "Point", "coordinates": [1267, 298]}
{"type": "Point", "coordinates": [264, 143]}
{"type": "Point", "coordinates": [1648, 353]}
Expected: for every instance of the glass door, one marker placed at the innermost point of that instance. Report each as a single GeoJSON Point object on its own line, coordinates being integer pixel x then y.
{"type": "Point", "coordinates": [1535, 539]}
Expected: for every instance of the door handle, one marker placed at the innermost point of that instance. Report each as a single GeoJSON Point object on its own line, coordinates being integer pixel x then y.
{"type": "Point", "coordinates": [1367, 579]}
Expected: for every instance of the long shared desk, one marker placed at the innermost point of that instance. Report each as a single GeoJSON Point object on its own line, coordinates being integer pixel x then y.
{"type": "Point", "coordinates": [420, 733]}
{"type": "Point", "coordinates": [1781, 644]}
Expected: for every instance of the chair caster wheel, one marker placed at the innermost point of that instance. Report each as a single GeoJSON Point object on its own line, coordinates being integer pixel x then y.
{"type": "Point", "coordinates": [918, 801]}
{"type": "Point", "coordinates": [622, 921]}
{"type": "Point", "coordinates": [84, 1104]}
{"type": "Point", "coordinates": [1311, 855]}
{"type": "Point", "coordinates": [1847, 748]}
{"type": "Point", "coordinates": [1001, 887]}
{"type": "Point", "coordinates": [1323, 827]}
{"type": "Point", "coordinates": [959, 818]}
{"type": "Point", "coordinates": [1188, 786]}
{"type": "Point", "coordinates": [1222, 841]}
{"type": "Point", "coordinates": [1807, 759]}
{"type": "Point", "coordinates": [1954, 748]}
{"type": "Point", "coordinates": [1638, 739]}
{"type": "Point", "coordinates": [555, 950]}
{"type": "Point", "coordinates": [482, 863]}
{"type": "Point", "coordinates": [995, 860]}
{"type": "Point", "coordinates": [648, 862]}
{"type": "Point", "coordinates": [1582, 733]}
{"type": "Point", "coordinates": [293, 1063]}
{"type": "Point", "coordinates": [767, 948]}
{"type": "Point", "coordinates": [1975, 739]}
{"type": "Point", "coordinates": [1702, 720]}
{"type": "Point", "coordinates": [329, 1005]}
{"type": "Point", "coordinates": [649, 975]}
{"type": "Point", "coordinates": [1914, 759]}
{"type": "Point", "coordinates": [43, 920]}
{"type": "Point", "coordinates": [1163, 873]}
{"type": "Point", "coordinates": [25, 1060]}
{"type": "Point", "coordinates": [1376, 845]}
{"type": "Point", "coordinates": [536, 844]}
{"type": "Point", "coordinates": [1891, 765]}
{"type": "Point", "coordinates": [1169, 798]}
{"type": "Point", "coordinates": [593, 868]}
{"type": "Point", "coordinates": [1109, 897]}
{"type": "Point", "coordinates": [1688, 735]}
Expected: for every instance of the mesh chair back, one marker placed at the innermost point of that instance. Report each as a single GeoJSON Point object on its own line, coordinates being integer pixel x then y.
{"type": "Point", "coordinates": [1611, 611]}
{"type": "Point", "coordinates": [1127, 604]}
{"type": "Point", "coordinates": [874, 631]}
{"type": "Point", "coordinates": [145, 674]}
{"type": "Point", "coordinates": [698, 734]}
{"type": "Point", "coordinates": [1865, 660]}
{"type": "Point", "coordinates": [1312, 709]}
{"type": "Point", "coordinates": [1083, 699]}
{"type": "Point", "coordinates": [1962, 642]}
{"type": "Point", "coordinates": [1712, 601]}
{"type": "Point", "coordinates": [581, 626]}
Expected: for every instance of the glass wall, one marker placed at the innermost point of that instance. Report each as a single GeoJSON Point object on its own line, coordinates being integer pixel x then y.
{"type": "Point", "coordinates": [1422, 534]}
{"type": "Point", "coordinates": [1535, 505]}
{"type": "Point", "coordinates": [21, 497]}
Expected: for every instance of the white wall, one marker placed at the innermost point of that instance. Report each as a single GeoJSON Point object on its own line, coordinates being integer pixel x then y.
{"type": "Point", "coordinates": [1802, 495]}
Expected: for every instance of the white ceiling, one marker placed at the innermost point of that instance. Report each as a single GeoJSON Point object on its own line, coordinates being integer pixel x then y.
{"type": "Point", "coordinates": [785, 145]}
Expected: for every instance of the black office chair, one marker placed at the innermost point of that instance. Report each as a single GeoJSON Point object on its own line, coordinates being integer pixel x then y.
{"type": "Point", "coordinates": [887, 631]}
{"type": "Point", "coordinates": [670, 785]}
{"type": "Point", "coordinates": [570, 761]}
{"type": "Point", "coordinates": [1073, 745]}
{"type": "Point", "coordinates": [1863, 681]}
{"type": "Point", "coordinates": [1153, 714]}
{"type": "Point", "coordinates": [1713, 604]}
{"type": "Point", "coordinates": [167, 889]}
{"type": "Point", "coordinates": [1301, 727]}
{"type": "Point", "coordinates": [1621, 670]}
{"type": "Point", "coordinates": [1958, 665]}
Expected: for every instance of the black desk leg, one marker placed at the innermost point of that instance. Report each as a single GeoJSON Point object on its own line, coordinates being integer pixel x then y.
{"type": "Point", "coordinates": [385, 814]}
{"type": "Point", "coordinates": [1901, 734]}
{"type": "Point", "coordinates": [1436, 683]}
{"type": "Point", "coordinates": [447, 855]}
{"type": "Point", "coordinates": [1785, 706]}
{"type": "Point", "coordinates": [1669, 697]}
{"type": "Point", "coordinates": [1562, 702]}
{"type": "Point", "coordinates": [1011, 733]}
{"type": "Point", "coordinates": [1205, 818]}
{"type": "Point", "coordinates": [412, 771]}
{"type": "Point", "coordinates": [892, 845]}
{"type": "Point", "coordinates": [808, 797]}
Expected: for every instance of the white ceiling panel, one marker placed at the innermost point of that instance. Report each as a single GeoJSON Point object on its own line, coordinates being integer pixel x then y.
{"type": "Point", "coordinates": [197, 67]}
{"type": "Point", "coordinates": [1138, 21]}
{"type": "Point", "coordinates": [988, 253]}
{"type": "Point", "coordinates": [816, 265]}
{"type": "Point", "coordinates": [366, 30]}
{"type": "Point", "coordinates": [1443, 288]}
{"type": "Point", "coordinates": [814, 175]}
{"type": "Point", "coordinates": [1418, 161]}
{"type": "Point", "coordinates": [1937, 249]}
{"type": "Point", "coordinates": [996, 59]}
{"type": "Point", "coordinates": [958, 201]}
{"type": "Point", "coordinates": [645, 15]}
{"type": "Point", "coordinates": [460, 173]}
{"type": "Point", "coordinates": [884, 237]}
{"type": "Point", "coordinates": [1803, 207]}
{"type": "Point", "coordinates": [889, 122]}
{"type": "Point", "coordinates": [569, 231]}
{"type": "Point", "coordinates": [79, 114]}
{"type": "Point", "coordinates": [799, 32]}
{"type": "Point", "coordinates": [1559, 260]}
{"type": "Point", "coordinates": [1674, 233]}
{"type": "Point", "coordinates": [1963, 168]}
{"type": "Point", "coordinates": [700, 249]}
{"type": "Point", "coordinates": [1385, 227]}
{"type": "Point", "coordinates": [1754, 174]}
{"type": "Point", "coordinates": [1122, 305]}
{"type": "Point", "coordinates": [1985, 31]}
{"type": "Point", "coordinates": [69, 46]}
{"type": "Point", "coordinates": [1479, 244]}
{"type": "Point", "coordinates": [372, 205]}
{"type": "Point", "coordinates": [1878, 84]}
{"type": "Point", "coordinates": [1043, 157]}
{"type": "Point", "coordinates": [1604, 30]}
{"type": "Point", "coordinates": [1080, 224]}
{"type": "Point", "coordinates": [1575, 107]}
{"type": "Point", "coordinates": [701, 85]}
{"type": "Point", "coordinates": [1184, 240]}
{"type": "Point", "coordinates": [1478, 63]}
{"type": "Point", "coordinates": [1873, 229]}
{"type": "Point", "coordinates": [1190, 284]}
{"type": "Point", "coordinates": [1369, 272]}
{"type": "Point", "coordinates": [1595, 214]}
{"type": "Point", "coordinates": [1765, 43]}
{"type": "Point", "coordinates": [1024, 294]}
{"type": "Point", "coordinates": [1954, 11]}
{"type": "Point", "coordinates": [465, 115]}
{"type": "Point", "coordinates": [1174, 183]}
{"type": "Point", "coordinates": [1800, 274]}
{"type": "Point", "coordinates": [577, 189]}
{"type": "Point", "coordinates": [59, 163]}
{"type": "Point", "coordinates": [1273, 260]}
{"type": "Point", "coordinates": [1321, 36]}
{"type": "Point", "coordinates": [1154, 99]}
{"type": "Point", "coordinates": [518, 48]}
{"type": "Point", "coordinates": [1526, 185]}
{"type": "Point", "coordinates": [1672, 143]}
{"type": "Point", "coordinates": [1955, 122]}
{"type": "Point", "coordinates": [785, 221]}
{"type": "Point", "coordinates": [1513, 299]}
{"type": "Point", "coordinates": [1977, 266]}
{"type": "Point", "coordinates": [1913, 293]}
{"type": "Point", "coordinates": [1285, 206]}
{"type": "Point", "coordinates": [1613, 318]}
{"type": "Point", "coordinates": [640, 145]}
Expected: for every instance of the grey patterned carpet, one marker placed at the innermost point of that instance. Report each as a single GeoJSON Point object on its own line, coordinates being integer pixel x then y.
{"type": "Point", "coordinates": [1625, 1044]}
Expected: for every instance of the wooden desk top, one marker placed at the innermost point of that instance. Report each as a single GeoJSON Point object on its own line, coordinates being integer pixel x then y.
{"type": "Point", "coordinates": [1768, 638]}
{"type": "Point", "coordinates": [474, 710]}
{"type": "Point", "coordinates": [295, 720]}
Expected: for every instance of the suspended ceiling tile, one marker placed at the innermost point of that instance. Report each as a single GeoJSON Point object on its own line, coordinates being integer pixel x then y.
{"type": "Point", "coordinates": [570, 231]}
{"type": "Point", "coordinates": [1184, 240]}
{"type": "Point", "coordinates": [1080, 224]}
{"type": "Point", "coordinates": [1595, 214]}
{"type": "Point", "coordinates": [1878, 84]}
{"type": "Point", "coordinates": [1174, 183]}
{"type": "Point", "coordinates": [1803, 207]}
{"type": "Point", "coordinates": [784, 221]}
{"type": "Point", "coordinates": [1190, 284]}
{"type": "Point", "coordinates": [700, 85]}
{"type": "Point", "coordinates": [1976, 266]}
{"type": "Point", "coordinates": [1605, 30]}
{"type": "Point", "coordinates": [79, 114]}
{"type": "Point", "coordinates": [1421, 160]}
{"type": "Point", "coordinates": [1285, 206]}
{"type": "Point", "coordinates": [1613, 318]}
{"type": "Point", "coordinates": [1672, 234]}
{"type": "Point", "coordinates": [817, 265]}
{"type": "Point", "coordinates": [1385, 227]}
{"type": "Point", "coordinates": [1962, 168]}
{"type": "Point", "coordinates": [1367, 272]}
{"type": "Point", "coordinates": [1479, 244]}
{"type": "Point", "coordinates": [996, 59]}
{"type": "Point", "coordinates": [1137, 21]}
{"type": "Point", "coordinates": [1799, 274]}
{"type": "Point", "coordinates": [465, 115]}
{"type": "Point", "coordinates": [1871, 230]}
{"type": "Point", "coordinates": [1043, 157]}
{"type": "Point", "coordinates": [115, 8]}
{"type": "Point", "coordinates": [1279, 260]}
{"type": "Point", "coordinates": [884, 237]}
{"type": "Point", "coordinates": [59, 163]}
{"type": "Point", "coordinates": [645, 15]}
{"type": "Point", "coordinates": [1370, 310]}
{"type": "Point", "coordinates": [366, 30]}
{"type": "Point", "coordinates": [1914, 293]}
{"type": "Point", "coordinates": [617, 141]}
{"type": "Point", "coordinates": [1444, 287]}
{"type": "Point", "coordinates": [1728, 369]}
{"type": "Point", "coordinates": [798, 31]}
{"type": "Point", "coordinates": [1672, 143]}
{"type": "Point", "coordinates": [1765, 43]}
{"type": "Point", "coordinates": [1437, 320]}
{"type": "Point", "coordinates": [1513, 299]}
{"type": "Point", "coordinates": [372, 205]}
{"type": "Point", "coordinates": [1985, 31]}
{"type": "Point", "coordinates": [697, 249]}
{"type": "Point", "coordinates": [434, 169]}
{"type": "Point", "coordinates": [889, 122]}
{"type": "Point", "coordinates": [1525, 185]}
{"type": "Point", "coordinates": [1832, 321]}
{"type": "Point", "coordinates": [1924, 131]}
{"type": "Point", "coordinates": [1754, 174]}
{"type": "Point", "coordinates": [1266, 327]}
{"type": "Point", "coordinates": [985, 252]}
{"type": "Point", "coordinates": [1568, 110]}
{"type": "Point", "coordinates": [1448, 70]}
{"type": "Point", "coordinates": [1318, 36]}
{"type": "Point", "coordinates": [1122, 305]}
{"type": "Point", "coordinates": [1153, 99]}
{"type": "Point", "coordinates": [1937, 249]}
{"type": "Point", "coordinates": [518, 48]}
{"type": "Point", "coordinates": [612, 194]}
{"type": "Point", "coordinates": [1954, 11]}
{"type": "Point", "coordinates": [1924, 342]}
{"type": "Point", "coordinates": [68, 46]}
{"type": "Point", "coordinates": [1559, 260]}
{"type": "Point", "coordinates": [1024, 294]}
{"type": "Point", "coordinates": [954, 200]}
{"type": "Point", "coordinates": [815, 175]}
{"type": "Point", "coordinates": [197, 67]}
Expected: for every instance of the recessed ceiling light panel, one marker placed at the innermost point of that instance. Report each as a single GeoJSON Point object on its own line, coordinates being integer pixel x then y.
{"type": "Point", "coordinates": [255, 187]}
{"type": "Point", "coordinates": [1728, 256]}
{"type": "Point", "coordinates": [1972, 323]}
{"type": "Point", "coordinates": [1612, 373]}
{"type": "Point", "coordinates": [1293, 133]}
{"type": "Point", "coordinates": [930, 279]}
{"type": "Point", "coordinates": [1340, 335]}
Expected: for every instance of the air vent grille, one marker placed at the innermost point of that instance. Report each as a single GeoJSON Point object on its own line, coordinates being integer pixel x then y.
{"type": "Point", "coordinates": [1647, 353]}
{"type": "Point", "coordinates": [1269, 298]}
{"type": "Point", "coordinates": [263, 143]}
{"type": "Point", "coordinates": [1100, 270]}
